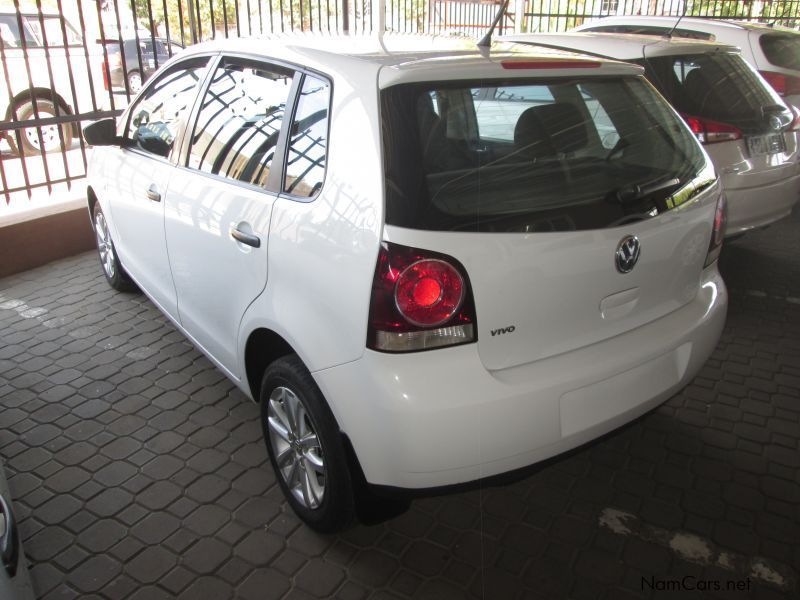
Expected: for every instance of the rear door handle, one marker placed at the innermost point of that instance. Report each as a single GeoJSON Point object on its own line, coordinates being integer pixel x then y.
{"type": "Point", "coordinates": [152, 193]}
{"type": "Point", "coordinates": [9, 543]}
{"type": "Point", "coordinates": [246, 238]}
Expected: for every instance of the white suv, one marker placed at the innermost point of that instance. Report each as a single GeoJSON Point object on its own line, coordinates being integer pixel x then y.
{"type": "Point", "coordinates": [743, 124]}
{"type": "Point", "coordinates": [771, 49]}
{"type": "Point", "coordinates": [429, 263]}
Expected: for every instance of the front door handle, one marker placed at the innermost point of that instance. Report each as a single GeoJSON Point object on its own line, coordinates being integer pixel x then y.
{"type": "Point", "coordinates": [246, 238]}
{"type": "Point", "coordinates": [152, 193]}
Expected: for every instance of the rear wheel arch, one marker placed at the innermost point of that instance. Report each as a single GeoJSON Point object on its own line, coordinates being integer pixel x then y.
{"type": "Point", "coordinates": [263, 347]}
{"type": "Point", "coordinates": [91, 200]}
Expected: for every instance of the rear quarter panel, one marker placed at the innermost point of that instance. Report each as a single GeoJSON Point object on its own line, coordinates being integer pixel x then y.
{"type": "Point", "coordinates": [322, 253]}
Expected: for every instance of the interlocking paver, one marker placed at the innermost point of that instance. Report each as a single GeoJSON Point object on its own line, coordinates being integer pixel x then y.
{"type": "Point", "coordinates": [138, 470]}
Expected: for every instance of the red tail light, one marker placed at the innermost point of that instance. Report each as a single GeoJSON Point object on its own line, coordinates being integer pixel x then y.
{"type": "Point", "coordinates": [711, 132]}
{"type": "Point", "coordinates": [420, 300]}
{"type": "Point", "coordinates": [785, 85]}
{"type": "Point", "coordinates": [718, 230]}
{"type": "Point", "coordinates": [106, 83]}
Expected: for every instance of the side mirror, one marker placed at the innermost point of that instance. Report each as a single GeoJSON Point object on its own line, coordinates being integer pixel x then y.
{"type": "Point", "coordinates": [101, 133]}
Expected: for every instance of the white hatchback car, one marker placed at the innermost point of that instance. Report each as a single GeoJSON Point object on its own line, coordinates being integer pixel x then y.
{"type": "Point", "coordinates": [743, 124]}
{"type": "Point", "coordinates": [773, 50]}
{"type": "Point", "coordinates": [424, 259]}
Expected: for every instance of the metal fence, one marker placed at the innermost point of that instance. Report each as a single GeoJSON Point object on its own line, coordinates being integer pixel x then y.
{"type": "Point", "coordinates": [66, 62]}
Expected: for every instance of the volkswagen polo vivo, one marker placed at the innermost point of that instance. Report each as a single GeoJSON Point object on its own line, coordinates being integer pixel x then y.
{"type": "Point", "coordinates": [429, 263]}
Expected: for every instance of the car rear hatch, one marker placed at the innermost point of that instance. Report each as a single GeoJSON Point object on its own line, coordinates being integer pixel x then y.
{"type": "Point", "coordinates": [542, 186]}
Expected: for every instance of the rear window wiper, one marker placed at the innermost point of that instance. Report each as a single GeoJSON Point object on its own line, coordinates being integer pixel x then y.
{"type": "Point", "coordinates": [634, 192]}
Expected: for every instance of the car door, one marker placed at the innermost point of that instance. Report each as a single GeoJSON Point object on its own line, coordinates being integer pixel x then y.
{"type": "Point", "coordinates": [138, 177]}
{"type": "Point", "coordinates": [219, 206]}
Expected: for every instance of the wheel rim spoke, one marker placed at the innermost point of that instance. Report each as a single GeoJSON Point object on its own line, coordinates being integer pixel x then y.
{"type": "Point", "coordinates": [296, 447]}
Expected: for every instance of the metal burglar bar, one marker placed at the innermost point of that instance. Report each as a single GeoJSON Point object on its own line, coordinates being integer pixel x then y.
{"type": "Point", "coordinates": [64, 63]}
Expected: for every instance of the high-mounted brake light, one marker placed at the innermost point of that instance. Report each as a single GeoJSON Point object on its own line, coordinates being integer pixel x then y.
{"type": "Point", "coordinates": [711, 132]}
{"type": "Point", "coordinates": [785, 85]}
{"type": "Point", "coordinates": [718, 230]}
{"type": "Point", "coordinates": [549, 64]}
{"type": "Point", "coordinates": [420, 300]}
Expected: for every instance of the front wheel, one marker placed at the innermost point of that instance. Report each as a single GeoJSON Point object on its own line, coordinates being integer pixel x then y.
{"type": "Point", "coordinates": [305, 447]}
{"type": "Point", "coordinates": [112, 269]}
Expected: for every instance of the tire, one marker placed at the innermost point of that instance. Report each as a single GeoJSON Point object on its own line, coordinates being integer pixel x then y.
{"type": "Point", "coordinates": [305, 447]}
{"type": "Point", "coordinates": [115, 274]}
{"type": "Point", "coordinates": [135, 82]}
{"type": "Point", "coordinates": [29, 137]}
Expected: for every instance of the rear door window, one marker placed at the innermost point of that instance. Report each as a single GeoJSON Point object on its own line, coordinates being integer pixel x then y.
{"type": "Point", "coordinates": [525, 156]}
{"type": "Point", "coordinates": [721, 87]}
{"type": "Point", "coordinates": [782, 50]}
{"type": "Point", "coordinates": [239, 121]}
{"type": "Point", "coordinates": [308, 145]}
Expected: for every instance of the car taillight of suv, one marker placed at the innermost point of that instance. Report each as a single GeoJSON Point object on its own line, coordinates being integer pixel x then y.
{"type": "Point", "coordinates": [785, 85]}
{"type": "Point", "coordinates": [420, 300]}
{"type": "Point", "coordinates": [718, 230]}
{"type": "Point", "coordinates": [710, 132]}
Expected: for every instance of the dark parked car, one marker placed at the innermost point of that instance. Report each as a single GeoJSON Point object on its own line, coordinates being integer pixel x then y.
{"type": "Point", "coordinates": [139, 63]}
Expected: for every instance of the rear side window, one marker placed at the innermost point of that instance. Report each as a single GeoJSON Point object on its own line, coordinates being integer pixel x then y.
{"type": "Point", "coordinates": [529, 156]}
{"type": "Point", "coordinates": [782, 50]}
{"type": "Point", "coordinates": [720, 87]}
{"type": "Point", "coordinates": [308, 145]}
{"type": "Point", "coordinates": [10, 33]}
{"type": "Point", "coordinates": [239, 121]}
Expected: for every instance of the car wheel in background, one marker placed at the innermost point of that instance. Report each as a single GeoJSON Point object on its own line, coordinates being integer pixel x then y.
{"type": "Point", "coordinates": [29, 138]}
{"type": "Point", "coordinates": [115, 275]}
{"type": "Point", "coordinates": [305, 446]}
{"type": "Point", "coordinates": [134, 82]}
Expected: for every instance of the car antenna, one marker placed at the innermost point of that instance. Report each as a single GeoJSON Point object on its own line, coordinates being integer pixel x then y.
{"type": "Point", "coordinates": [674, 27]}
{"type": "Point", "coordinates": [486, 40]}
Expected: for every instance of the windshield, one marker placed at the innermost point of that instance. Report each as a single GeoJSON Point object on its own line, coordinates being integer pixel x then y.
{"type": "Point", "coordinates": [720, 87]}
{"type": "Point", "coordinates": [782, 50]}
{"type": "Point", "coordinates": [521, 155]}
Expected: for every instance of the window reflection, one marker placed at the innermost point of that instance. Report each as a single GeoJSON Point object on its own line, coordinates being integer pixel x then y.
{"type": "Point", "coordinates": [239, 121]}
{"type": "Point", "coordinates": [157, 116]}
{"type": "Point", "coordinates": [305, 165]}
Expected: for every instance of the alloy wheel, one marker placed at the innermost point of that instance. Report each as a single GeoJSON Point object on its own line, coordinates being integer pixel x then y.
{"type": "Point", "coordinates": [296, 447]}
{"type": "Point", "coordinates": [104, 245]}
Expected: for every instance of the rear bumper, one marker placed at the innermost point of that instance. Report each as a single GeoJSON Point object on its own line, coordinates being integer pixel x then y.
{"type": "Point", "coordinates": [440, 418]}
{"type": "Point", "coordinates": [753, 207]}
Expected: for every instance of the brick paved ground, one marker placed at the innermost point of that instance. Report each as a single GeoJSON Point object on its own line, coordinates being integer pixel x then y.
{"type": "Point", "coordinates": [139, 471]}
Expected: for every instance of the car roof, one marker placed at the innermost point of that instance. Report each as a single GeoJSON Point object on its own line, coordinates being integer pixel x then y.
{"type": "Point", "coordinates": [706, 24]}
{"type": "Point", "coordinates": [622, 46]}
{"type": "Point", "coordinates": [404, 58]}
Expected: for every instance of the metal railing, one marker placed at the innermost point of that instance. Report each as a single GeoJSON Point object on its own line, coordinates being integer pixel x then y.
{"type": "Point", "coordinates": [86, 59]}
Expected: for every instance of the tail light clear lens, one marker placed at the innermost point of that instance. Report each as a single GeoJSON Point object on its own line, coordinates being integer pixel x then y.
{"type": "Point", "coordinates": [420, 300]}
{"type": "Point", "coordinates": [718, 230]}
{"type": "Point", "coordinates": [785, 85]}
{"type": "Point", "coordinates": [711, 132]}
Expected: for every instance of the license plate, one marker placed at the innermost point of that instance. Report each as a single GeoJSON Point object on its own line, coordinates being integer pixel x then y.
{"type": "Point", "coordinates": [152, 63]}
{"type": "Point", "coordinates": [766, 144]}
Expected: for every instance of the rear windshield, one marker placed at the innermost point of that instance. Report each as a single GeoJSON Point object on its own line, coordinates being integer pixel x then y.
{"type": "Point", "coordinates": [721, 87]}
{"type": "Point", "coordinates": [529, 156]}
{"type": "Point", "coordinates": [782, 50]}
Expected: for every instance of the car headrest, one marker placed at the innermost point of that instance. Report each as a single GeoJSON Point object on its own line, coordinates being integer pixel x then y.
{"type": "Point", "coordinates": [530, 135]}
{"type": "Point", "coordinates": [564, 124]}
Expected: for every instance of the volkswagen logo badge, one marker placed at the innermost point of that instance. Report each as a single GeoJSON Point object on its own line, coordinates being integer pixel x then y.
{"type": "Point", "coordinates": [627, 253]}
{"type": "Point", "coordinates": [775, 122]}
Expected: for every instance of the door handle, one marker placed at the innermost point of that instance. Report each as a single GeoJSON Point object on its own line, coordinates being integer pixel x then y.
{"type": "Point", "coordinates": [152, 193]}
{"type": "Point", "coordinates": [9, 544]}
{"type": "Point", "coordinates": [246, 238]}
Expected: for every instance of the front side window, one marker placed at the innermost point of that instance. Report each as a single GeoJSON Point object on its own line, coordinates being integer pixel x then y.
{"type": "Point", "coordinates": [305, 162]}
{"type": "Point", "coordinates": [534, 155]}
{"type": "Point", "coordinates": [156, 117]}
{"type": "Point", "coordinates": [239, 121]}
{"type": "Point", "coordinates": [53, 33]}
{"type": "Point", "coordinates": [721, 87]}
